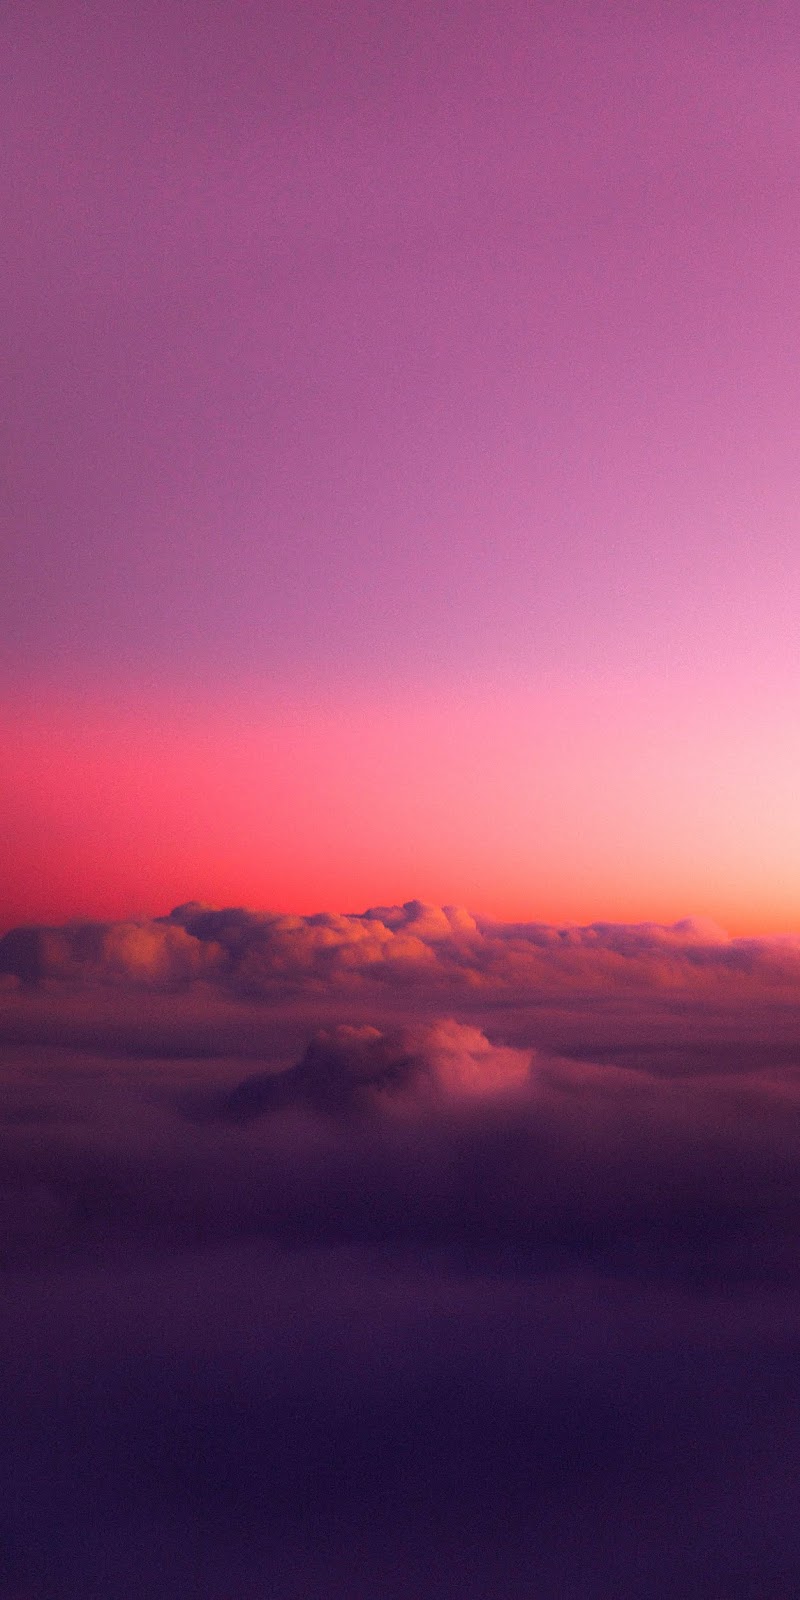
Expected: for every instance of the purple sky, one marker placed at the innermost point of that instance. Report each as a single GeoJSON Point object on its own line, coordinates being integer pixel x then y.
{"type": "Point", "coordinates": [371, 341]}
{"type": "Point", "coordinates": [401, 459]}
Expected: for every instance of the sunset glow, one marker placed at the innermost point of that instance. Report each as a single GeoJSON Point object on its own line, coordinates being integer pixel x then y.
{"type": "Point", "coordinates": [565, 803]}
{"type": "Point", "coordinates": [399, 781]}
{"type": "Point", "coordinates": [403, 473]}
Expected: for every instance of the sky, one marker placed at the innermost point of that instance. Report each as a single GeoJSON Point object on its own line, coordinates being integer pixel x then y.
{"type": "Point", "coordinates": [399, 759]}
{"type": "Point", "coordinates": [400, 470]}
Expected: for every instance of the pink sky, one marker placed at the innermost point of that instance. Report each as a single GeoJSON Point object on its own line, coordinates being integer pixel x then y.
{"type": "Point", "coordinates": [564, 804]}
{"type": "Point", "coordinates": [402, 467]}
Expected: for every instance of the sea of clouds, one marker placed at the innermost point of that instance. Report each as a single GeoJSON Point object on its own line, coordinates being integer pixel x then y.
{"type": "Point", "coordinates": [402, 1254]}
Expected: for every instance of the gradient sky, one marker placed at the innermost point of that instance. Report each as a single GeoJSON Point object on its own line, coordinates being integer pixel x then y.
{"type": "Point", "coordinates": [401, 466]}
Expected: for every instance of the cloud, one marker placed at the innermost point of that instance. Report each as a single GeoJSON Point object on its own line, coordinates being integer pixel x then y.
{"type": "Point", "coordinates": [435, 1135]}
{"type": "Point", "coordinates": [346, 1068]}
{"type": "Point", "coordinates": [614, 1094]}
{"type": "Point", "coordinates": [151, 953]}
{"type": "Point", "coordinates": [354, 1255]}
{"type": "Point", "coordinates": [261, 954]}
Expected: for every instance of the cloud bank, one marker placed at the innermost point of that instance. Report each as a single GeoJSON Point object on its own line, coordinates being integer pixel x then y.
{"type": "Point", "coordinates": [403, 1253]}
{"type": "Point", "coordinates": [261, 954]}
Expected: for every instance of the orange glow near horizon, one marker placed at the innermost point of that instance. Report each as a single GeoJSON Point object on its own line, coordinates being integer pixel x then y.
{"type": "Point", "coordinates": [570, 806]}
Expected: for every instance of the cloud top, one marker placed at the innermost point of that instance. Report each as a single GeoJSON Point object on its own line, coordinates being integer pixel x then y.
{"type": "Point", "coordinates": [257, 954]}
{"type": "Point", "coordinates": [348, 1068]}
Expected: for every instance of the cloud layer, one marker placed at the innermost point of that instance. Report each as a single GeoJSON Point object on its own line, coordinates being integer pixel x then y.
{"type": "Point", "coordinates": [261, 954]}
{"type": "Point", "coordinates": [405, 1253]}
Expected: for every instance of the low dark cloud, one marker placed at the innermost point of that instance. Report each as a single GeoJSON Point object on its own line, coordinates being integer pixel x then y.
{"type": "Point", "coordinates": [399, 1254]}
